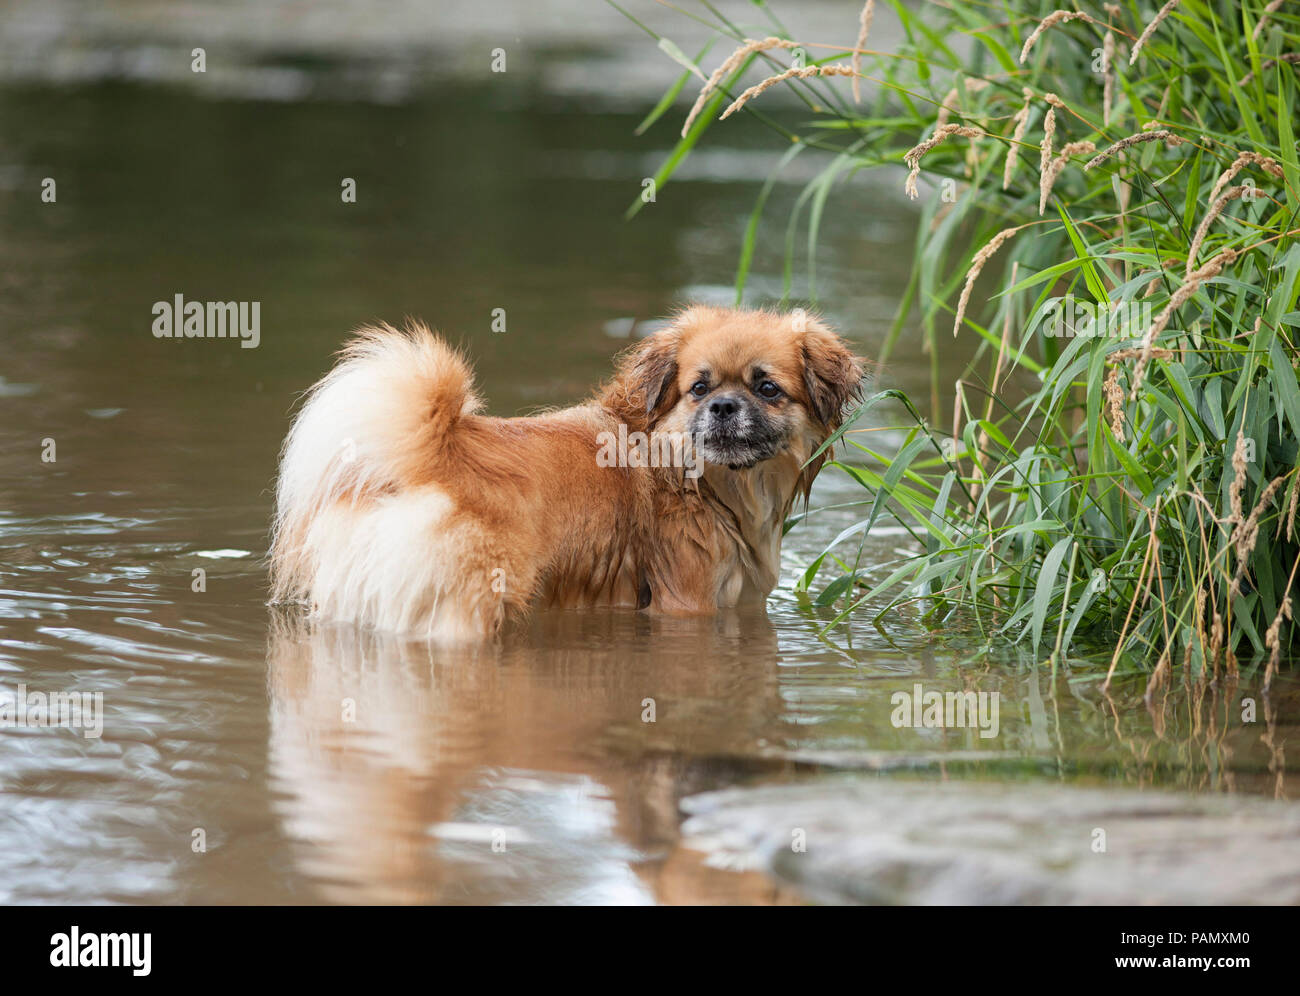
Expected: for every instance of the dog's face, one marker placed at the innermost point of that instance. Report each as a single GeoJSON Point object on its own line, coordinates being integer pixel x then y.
{"type": "Point", "coordinates": [745, 384]}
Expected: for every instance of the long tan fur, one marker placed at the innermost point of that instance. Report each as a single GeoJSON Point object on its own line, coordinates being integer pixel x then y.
{"type": "Point", "coordinates": [401, 507]}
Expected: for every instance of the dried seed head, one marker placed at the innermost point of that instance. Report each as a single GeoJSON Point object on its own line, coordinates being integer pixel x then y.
{"type": "Point", "coordinates": [802, 73]}
{"type": "Point", "coordinates": [1048, 179]}
{"type": "Point", "coordinates": [1290, 512]}
{"type": "Point", "coordinates": [1049, 134]}
{"type": "Point", "coordinates": [1054, 18]}
{"type": "Point", "coordinates": [1267, 163]}
{"type": "Point", "coordinates": [1273, 641]}
{"type": "Point", "coordinates": [1231, 194]}
{"type": "Point", "coordinates": [1244, 536]}
{"type": "Point", "coordinates": [1151, 28]}
{"type": "Point", "coordinates": [1021, 121]}
{"type": "Point", "coordinates": [1128, 354]}
{"type": "Point", "coordinates": [912, 157]}
{"type": "Point", "coordinates": [750, 47]}
{"type": "Point", "coordinates": [1194, 280]}
{"type": "Point", "coordinates": [1115, 402]}
{"type": "Point", "coordinates": [1216, 635]}
{"type": "Point", "coordinates": [1290, 58]}
{"type": "Point", "coordinates": [1238, 485]}
{"type": "Point", "coordinates": [977, 265]}
{"type": "Point", "coordinates": [1124, 143]}
{"type": "Point", "coordinates": [1269, 8]}
{"type": "Point", "coordinates": [864, 28]}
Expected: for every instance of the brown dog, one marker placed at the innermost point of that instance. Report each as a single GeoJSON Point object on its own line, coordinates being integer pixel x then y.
{"type": "Point", "coordinates": [400, 507]}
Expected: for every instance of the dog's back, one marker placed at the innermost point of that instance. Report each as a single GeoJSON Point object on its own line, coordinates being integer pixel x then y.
{"type": "Point", "coordinates": [400, 507]}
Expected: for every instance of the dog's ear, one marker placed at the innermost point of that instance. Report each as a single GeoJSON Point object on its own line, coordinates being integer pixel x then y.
{"type": "Point", "coordinates": [652, 373]}
{"type": "Point", "coordinates": [832, 375]}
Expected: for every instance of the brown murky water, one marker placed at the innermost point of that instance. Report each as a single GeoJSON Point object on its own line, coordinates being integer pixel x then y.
{"type": "Point", "coordinates": [338, 766]}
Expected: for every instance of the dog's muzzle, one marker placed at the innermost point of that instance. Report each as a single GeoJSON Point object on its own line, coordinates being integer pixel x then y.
{"type": "Point", "coordinates": [731, 430]}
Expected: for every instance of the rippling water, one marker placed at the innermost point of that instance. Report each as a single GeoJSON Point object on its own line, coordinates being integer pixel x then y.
{"type": "Point", "coordinates": [244, 760]}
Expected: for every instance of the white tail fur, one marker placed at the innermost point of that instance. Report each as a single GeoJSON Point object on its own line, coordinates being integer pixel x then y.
{"type": "Point", "coordinates": [356, 533]}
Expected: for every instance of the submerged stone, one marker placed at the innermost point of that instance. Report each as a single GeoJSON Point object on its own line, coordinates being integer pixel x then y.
{"type": "Point", "coordinates": [841, 840]}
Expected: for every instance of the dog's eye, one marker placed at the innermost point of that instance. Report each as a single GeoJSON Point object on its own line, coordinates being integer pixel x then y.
{"type": "Point", "coordinates": [700, 388]}
{"type": "Point", "coordinates": [769, 390]}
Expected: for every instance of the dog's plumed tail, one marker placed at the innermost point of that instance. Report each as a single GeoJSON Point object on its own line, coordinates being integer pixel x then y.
{"type": "Point", "coordinates": [345, 516]}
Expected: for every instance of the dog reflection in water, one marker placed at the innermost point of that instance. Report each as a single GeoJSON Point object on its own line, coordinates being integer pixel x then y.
{"type": "Point", "coordinates": [516, 772]}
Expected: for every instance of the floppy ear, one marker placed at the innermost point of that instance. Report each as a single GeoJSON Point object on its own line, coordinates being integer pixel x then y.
{"type": "Point", "coordinates": [832, 376]}
{"type": "Point", "coordinates": [652, 374]}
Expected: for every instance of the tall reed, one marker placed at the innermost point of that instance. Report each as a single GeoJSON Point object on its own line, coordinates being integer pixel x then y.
{"type": "Point", "coordinates": [1150, 288]}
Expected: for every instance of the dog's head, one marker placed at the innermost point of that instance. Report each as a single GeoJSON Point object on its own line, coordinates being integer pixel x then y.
{"type": "Point", "coordinates": [744, 384]}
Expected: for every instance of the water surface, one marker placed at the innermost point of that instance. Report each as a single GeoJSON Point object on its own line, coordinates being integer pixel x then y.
{"type": "Point", "coordinates": [337, 766]}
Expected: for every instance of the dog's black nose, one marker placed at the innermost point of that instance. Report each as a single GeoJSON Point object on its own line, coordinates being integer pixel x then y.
{"type": "Point", "coordinates": [722, 407]}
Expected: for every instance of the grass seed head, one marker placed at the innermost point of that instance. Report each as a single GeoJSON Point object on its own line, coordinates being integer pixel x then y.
{"type": "Point", "coordinates": [864, 29]}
